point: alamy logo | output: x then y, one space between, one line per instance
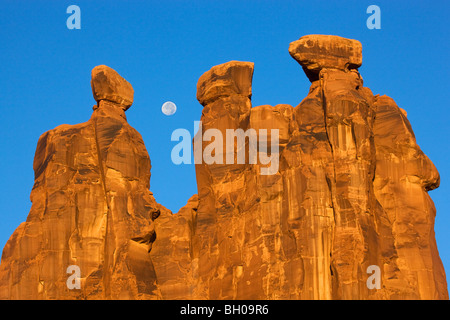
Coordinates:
73 281
235 141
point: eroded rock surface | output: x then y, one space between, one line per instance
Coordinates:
108 85
349 192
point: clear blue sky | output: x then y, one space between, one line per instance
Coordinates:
162 48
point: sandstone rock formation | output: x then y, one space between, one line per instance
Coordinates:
348 192
91 207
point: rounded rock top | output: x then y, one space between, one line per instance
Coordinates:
108 85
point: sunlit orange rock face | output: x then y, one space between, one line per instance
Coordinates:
91 207
349 192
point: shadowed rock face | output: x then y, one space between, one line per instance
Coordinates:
350 192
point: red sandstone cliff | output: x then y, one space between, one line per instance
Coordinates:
349 192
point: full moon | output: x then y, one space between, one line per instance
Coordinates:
169 108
